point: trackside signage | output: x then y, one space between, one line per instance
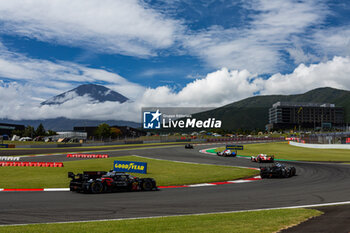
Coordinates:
130 166
234 147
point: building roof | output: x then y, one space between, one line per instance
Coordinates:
302 104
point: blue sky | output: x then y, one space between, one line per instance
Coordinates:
162 52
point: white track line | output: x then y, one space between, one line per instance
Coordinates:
55 189
200 185
184 215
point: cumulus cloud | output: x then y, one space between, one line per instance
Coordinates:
110 26
30 81
334 73
217 88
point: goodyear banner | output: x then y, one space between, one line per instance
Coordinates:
4 146
234 147
130 166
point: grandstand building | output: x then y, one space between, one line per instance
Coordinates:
6 129
288 115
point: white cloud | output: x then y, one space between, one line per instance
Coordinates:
110 26
333 41
334 73
20 99
217 88
155 72
257 46
46 78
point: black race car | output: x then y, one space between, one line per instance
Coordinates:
101 181
189 146
277 171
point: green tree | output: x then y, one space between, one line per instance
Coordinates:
51 133
103 130
18 132
28 131
115 132
40 131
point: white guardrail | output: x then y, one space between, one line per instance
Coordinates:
320 146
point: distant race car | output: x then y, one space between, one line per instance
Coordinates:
277 171
226 153
263 158
101 182
189 146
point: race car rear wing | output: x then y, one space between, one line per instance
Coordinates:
87 174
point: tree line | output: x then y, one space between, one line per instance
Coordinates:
30 131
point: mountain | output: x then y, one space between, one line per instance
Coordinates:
98 93
252 112
64 124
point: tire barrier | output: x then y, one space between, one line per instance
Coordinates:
9 158
99 156
31 164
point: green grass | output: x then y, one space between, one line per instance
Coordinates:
103 146
282 150
165 173
254 221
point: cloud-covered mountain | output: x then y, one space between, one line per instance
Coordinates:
97 93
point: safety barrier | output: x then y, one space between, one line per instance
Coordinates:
320 146
87 156
31 164
9 158
239 139
7 146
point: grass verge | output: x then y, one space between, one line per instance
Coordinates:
165 173
97 147
282 150
254 221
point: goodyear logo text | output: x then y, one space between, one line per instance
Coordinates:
130 166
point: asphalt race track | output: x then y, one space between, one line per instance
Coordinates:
315 183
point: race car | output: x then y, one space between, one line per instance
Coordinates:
226 153
263 158
102 181
277 171
188 146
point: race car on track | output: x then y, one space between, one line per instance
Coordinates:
277 171
101 181
263 158
226 153
188 146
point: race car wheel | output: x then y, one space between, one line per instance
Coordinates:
292 171
97 187
147 185
259 160
286 174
